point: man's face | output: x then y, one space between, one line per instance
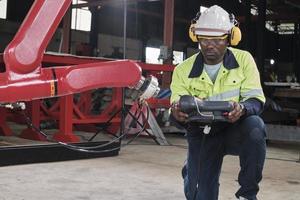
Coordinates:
213 48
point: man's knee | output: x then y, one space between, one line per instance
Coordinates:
254 128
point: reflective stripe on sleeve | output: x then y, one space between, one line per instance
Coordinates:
225 95
252 93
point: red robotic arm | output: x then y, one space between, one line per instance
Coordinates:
25 52
25 79
59 81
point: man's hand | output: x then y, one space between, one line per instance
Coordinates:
177 114
236 113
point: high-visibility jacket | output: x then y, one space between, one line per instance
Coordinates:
237 80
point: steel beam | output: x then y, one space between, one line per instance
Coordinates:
66 35
260 52
168 38
246 33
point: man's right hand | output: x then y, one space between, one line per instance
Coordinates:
177 114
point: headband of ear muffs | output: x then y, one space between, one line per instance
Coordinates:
235 35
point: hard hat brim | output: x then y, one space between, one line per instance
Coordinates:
210 32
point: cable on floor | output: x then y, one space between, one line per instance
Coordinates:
92 148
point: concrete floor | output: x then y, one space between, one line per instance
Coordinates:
142 171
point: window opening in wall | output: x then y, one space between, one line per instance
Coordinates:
177 57
152 55
3 9
81 17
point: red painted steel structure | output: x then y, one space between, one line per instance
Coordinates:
79 112
23 58
25 80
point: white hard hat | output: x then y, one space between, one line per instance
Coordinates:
214 21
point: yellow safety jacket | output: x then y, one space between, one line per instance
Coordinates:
237 80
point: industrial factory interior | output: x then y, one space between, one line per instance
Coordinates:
120 99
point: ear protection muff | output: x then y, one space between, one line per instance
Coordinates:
235 33
192 35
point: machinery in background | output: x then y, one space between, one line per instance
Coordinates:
25 79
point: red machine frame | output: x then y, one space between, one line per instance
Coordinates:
25 79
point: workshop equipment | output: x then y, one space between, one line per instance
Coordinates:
24 79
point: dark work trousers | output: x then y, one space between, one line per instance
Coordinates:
245 138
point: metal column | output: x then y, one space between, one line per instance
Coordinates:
247 32
168 38
66 35
94 30
297 51
260 52
65 132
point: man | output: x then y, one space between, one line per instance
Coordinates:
222 73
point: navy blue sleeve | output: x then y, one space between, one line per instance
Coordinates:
253 106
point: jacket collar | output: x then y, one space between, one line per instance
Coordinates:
229 62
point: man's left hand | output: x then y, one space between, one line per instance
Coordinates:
236 113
